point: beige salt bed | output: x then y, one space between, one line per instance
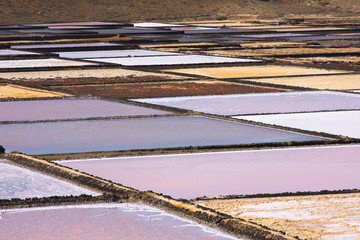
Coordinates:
324 82
97 73
308 217
12 91
170 47
281 51
255 71
311 29
337 59
272 44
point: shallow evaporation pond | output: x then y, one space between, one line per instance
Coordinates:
113 53
136 133
274 35
63 45
17 182
51 31
345 123
68 109
171 60
134 30
41 63
226 173
262 103
75 24
101 221
218 31
156 25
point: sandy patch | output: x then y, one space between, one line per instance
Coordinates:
99 73
255 71
310 217
338 82
9 91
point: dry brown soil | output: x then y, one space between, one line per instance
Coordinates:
35 11
162 89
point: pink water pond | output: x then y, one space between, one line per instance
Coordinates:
226 173
101 221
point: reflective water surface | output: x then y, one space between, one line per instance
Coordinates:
263 103
226 173
113 53
69 108
170 60
135 133
101 221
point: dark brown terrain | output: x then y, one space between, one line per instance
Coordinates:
36 11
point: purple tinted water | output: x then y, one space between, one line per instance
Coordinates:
170 60
226 173
101 221
62 45
135 133
69 108
238 104
113 53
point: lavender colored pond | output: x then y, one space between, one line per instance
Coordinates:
113 53
17 182
62 45
69 108
284 102
135 133
170 60
101 221
240 172
274 35
156 25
